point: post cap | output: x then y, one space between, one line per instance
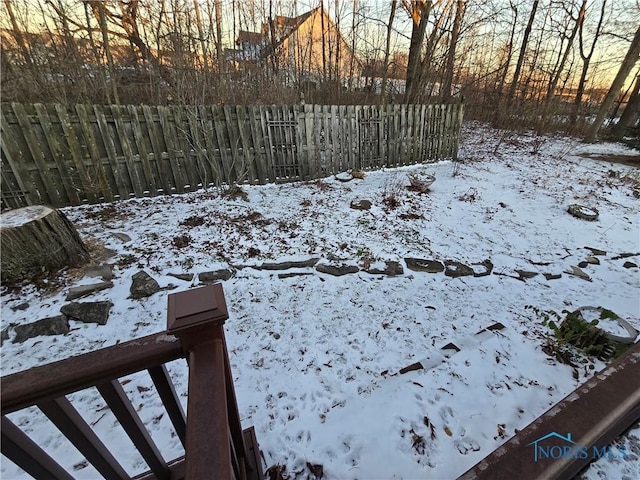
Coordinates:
195 308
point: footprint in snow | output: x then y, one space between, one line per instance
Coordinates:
452 427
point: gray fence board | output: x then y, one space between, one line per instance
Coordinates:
68 155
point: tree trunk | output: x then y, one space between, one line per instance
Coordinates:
420 11
523 51
628 63
448 78
586 60
630 113
38 239
387 48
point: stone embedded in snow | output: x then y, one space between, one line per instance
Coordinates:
525 274
187 277
84 290
596 251
215 275
390 268
482 269
143 285
57 325
88 312
360 204
293 274
420 265
456 269
592 260
287 265
337 270
20 306
123 237
104 271
577 272
552 276
630 265
4 335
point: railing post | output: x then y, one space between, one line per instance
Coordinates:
197 317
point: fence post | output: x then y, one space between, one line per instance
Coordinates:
197 317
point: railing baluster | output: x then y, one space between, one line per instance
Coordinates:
25 453
170 400
64 416
120 405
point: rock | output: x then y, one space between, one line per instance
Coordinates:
486 268
592 261
360 204
411 368
293 274
88 312
596 251
457 269
577 272
552 276
337 270
420 265
392 268
215 275
525 275
83 290
57 325
624 255
630 265
187 277
287 265
4 335
123 237
143 285
20 306
104 271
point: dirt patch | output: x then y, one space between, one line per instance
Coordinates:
630 159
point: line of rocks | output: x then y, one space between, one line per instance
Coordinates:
144 285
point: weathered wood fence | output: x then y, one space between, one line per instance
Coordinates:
63 155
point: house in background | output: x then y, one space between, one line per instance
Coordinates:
307 49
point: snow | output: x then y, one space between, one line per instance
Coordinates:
316 358
20 216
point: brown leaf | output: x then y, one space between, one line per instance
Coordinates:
448 431
316 469
277 472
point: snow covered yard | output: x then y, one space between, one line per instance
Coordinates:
316 357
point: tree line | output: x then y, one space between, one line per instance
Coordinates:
542 63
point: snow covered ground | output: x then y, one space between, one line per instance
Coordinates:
315 357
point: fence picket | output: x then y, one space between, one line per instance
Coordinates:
70 155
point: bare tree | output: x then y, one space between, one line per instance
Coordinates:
451 56
419 11
523 51
628 63
586 60
387 48
630 114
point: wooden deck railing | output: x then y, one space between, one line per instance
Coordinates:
215 445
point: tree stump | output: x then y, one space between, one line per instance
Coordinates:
37 239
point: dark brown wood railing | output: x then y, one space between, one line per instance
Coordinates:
216 446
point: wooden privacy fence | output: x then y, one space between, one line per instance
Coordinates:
63 155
